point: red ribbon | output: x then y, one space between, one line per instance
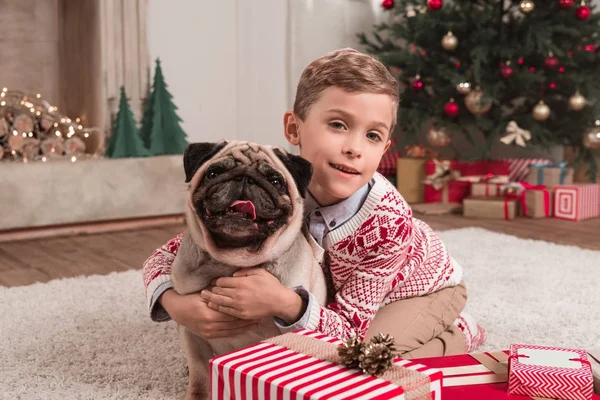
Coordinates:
528 186
581 360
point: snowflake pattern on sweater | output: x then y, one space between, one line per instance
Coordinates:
380 255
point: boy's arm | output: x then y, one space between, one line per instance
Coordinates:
358 300
157 276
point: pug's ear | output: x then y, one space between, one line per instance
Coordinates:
300 169
196 154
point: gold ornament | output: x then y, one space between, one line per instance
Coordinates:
463 87
541 111
526 6
591 138
577 101
438 137
476 104
449 41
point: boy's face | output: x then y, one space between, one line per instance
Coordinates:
344 135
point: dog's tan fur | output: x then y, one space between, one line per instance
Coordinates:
287 254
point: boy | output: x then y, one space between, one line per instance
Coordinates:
387 271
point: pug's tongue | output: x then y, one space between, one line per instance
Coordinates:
244 206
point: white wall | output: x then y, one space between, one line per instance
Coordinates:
232 65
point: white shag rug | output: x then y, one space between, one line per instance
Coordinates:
91 338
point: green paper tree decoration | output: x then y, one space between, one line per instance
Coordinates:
125 140
161 131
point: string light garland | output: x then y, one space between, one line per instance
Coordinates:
31 129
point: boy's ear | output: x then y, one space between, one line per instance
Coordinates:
300 169
291 127
387 145
196 154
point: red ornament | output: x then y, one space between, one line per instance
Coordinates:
561 69
417 84
387 4
457 64
590 47
583 12
506 71
521 61
564 4
570 53
532 69
551 62
435 5
552 85
451 109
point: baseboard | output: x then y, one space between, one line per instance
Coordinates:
90 228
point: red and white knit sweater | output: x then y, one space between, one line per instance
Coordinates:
380 255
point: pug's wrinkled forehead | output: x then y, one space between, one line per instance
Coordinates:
200 157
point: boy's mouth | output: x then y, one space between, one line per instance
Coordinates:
345 168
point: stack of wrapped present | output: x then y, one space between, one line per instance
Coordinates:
499 189
309 365
547 190
523 371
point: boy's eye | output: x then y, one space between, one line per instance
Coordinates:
373 136
336 125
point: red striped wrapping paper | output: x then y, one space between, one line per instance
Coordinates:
577 202
267 371
552 372
519 167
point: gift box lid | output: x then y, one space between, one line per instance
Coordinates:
550 371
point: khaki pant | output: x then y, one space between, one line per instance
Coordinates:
423 326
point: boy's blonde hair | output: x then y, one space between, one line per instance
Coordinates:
349 70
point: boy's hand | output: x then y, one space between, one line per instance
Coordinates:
253 293
193 312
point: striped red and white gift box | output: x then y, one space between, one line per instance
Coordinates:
267 371
519 167
577 202
553 372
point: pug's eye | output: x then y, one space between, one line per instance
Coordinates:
275 181
212 173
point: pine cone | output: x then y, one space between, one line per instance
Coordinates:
350 350
375 359
386 340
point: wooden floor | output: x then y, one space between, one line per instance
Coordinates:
40 260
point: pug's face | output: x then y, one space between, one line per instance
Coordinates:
242 198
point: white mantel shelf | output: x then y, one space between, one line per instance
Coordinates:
56 193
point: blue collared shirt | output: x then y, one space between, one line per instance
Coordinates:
321 220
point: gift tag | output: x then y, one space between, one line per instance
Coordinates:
550 358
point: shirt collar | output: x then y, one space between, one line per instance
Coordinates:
337 214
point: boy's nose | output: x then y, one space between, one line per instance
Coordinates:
352 148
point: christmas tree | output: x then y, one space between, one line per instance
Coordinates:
160 129
125 140
523 72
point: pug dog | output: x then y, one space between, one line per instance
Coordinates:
244 209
